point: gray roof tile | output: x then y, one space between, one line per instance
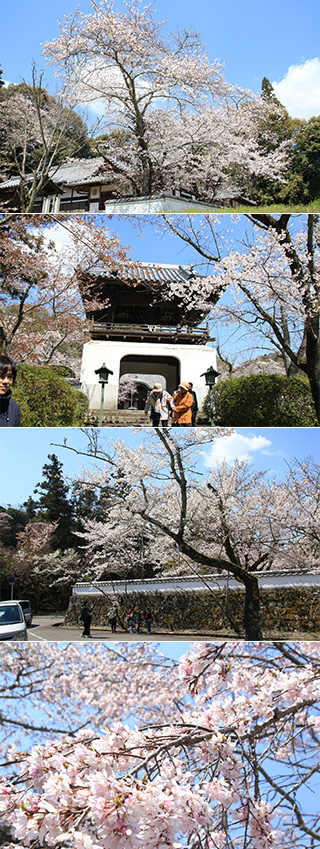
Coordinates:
146 272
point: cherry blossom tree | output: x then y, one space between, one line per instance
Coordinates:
165 106
235 522
270 283
35 536
214 154
34 136
30 681
128 385
41 309
218 750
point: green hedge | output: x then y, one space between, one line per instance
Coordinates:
268 400
46 399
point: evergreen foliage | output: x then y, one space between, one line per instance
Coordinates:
53 504
262 400
307 157
17 521
46 399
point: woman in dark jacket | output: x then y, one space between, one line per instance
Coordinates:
9 409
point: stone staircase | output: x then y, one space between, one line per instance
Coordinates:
120 418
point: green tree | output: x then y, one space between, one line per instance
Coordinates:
275 129
45 398
263 400
30 506
54 505
306 156
17 520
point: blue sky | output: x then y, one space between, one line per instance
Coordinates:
24 451
148 244
252 39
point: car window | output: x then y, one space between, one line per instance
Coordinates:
10 615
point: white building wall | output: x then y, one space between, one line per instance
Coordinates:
193 360
161 203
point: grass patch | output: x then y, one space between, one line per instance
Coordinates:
311 207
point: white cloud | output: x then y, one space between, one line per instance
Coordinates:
96 86
235 447
60 236
299 91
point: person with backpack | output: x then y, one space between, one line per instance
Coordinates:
113 618
159 404
138 619
130 619
86 617
147 619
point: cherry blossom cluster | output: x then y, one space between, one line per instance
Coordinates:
271 284
181 122
42 279
212 767
233 513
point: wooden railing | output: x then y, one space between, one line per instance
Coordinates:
150 331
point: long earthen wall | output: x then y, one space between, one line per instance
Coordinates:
283 611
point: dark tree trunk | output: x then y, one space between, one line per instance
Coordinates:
313 361
251 619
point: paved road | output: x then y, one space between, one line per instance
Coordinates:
52 628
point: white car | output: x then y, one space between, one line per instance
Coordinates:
13 625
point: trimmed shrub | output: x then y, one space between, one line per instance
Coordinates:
47 400
268 400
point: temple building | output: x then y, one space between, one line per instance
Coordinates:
142 334
78 185
89 185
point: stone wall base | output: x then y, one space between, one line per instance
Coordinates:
285 609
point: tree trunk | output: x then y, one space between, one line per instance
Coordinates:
251 619
145 160
313 361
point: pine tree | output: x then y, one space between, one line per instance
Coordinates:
53 504
30 506
268 93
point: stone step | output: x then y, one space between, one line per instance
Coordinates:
130 418
119 418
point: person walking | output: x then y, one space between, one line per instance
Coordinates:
113 619
159 404
10 415
138 619
86 617
147 619
182 404
194 408
130 620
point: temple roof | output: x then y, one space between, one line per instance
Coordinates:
71 173
144 272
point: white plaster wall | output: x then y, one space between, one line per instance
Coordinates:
157 204
194 360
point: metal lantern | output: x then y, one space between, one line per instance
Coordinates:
210 377
103 373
